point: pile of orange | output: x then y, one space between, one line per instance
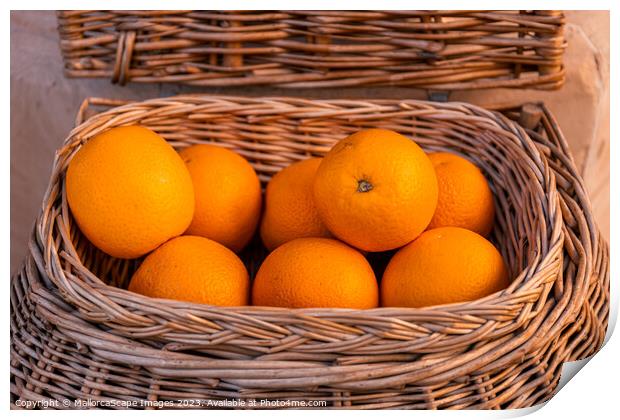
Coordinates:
191 212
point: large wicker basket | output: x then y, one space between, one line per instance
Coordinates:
444 50
77 334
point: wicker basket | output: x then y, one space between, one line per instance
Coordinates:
444 50
77 335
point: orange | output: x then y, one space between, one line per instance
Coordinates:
228 195
193 269
443 265
290 212
129 191
315 273
465 199
376 190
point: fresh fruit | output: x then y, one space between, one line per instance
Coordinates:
313 273
465 199
443 265
129 191
228 195
290 212
376 190
193 269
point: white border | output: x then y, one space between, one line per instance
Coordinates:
593 393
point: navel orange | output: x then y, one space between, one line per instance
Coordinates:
443 265
313 273
290 212
376 190
129 191
193 269
465 199
228 195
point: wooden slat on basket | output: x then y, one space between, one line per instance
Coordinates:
445 50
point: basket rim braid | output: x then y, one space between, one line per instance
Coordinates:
440 329
61 336
446 50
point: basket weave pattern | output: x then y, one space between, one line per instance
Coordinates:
75 334
444 50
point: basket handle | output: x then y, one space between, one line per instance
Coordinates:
86 107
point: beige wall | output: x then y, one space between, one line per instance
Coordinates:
44 103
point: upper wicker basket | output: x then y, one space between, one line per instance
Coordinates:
442 50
